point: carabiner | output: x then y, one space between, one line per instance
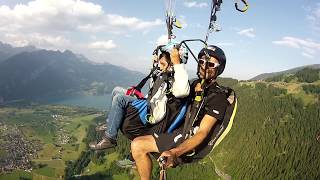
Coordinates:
245 8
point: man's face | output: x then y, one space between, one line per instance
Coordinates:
163 64
211 68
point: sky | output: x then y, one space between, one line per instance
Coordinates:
271 36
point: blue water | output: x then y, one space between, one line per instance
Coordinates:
97 102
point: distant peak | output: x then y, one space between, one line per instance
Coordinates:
68 52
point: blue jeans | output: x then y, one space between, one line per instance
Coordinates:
119 104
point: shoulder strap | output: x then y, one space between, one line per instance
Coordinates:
144 80
192 115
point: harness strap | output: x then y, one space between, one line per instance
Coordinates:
136 90
194 112
163 174
144 80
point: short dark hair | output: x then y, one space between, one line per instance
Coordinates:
166 55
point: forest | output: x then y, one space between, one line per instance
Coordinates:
274 136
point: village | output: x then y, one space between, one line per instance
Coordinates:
17 151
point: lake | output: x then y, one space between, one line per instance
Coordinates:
98 102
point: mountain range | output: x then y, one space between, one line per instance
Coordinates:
29 73
289 71
6 50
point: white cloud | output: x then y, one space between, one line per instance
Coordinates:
67 24
48 15
39 40
310 56
131 22
308 47
314 17
58 16
298 43
247 32
118 24
102 45
195 4
91 28
287 42
309 50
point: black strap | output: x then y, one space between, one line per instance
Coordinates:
242 10
144 80
169 94
195 107
192 115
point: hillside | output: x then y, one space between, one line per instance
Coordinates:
305 75
290 71
47 73
274 136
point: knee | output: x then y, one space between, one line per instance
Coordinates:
118 90
137 147
118 98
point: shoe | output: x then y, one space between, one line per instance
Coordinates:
126 163
101 127
105 143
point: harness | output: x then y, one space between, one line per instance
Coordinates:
220 130
167 78
136 90
144 105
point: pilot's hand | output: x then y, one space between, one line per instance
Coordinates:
168 158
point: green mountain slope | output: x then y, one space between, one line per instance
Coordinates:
274 136
289 71
305 75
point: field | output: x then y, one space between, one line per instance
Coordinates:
59 131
